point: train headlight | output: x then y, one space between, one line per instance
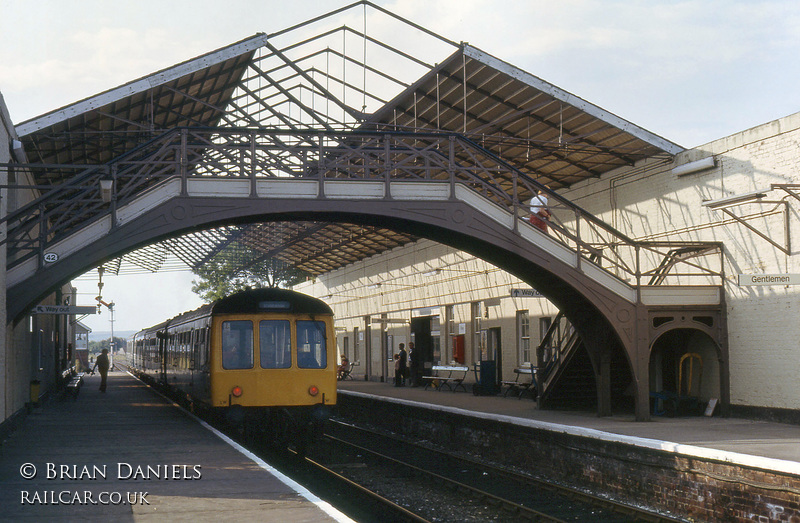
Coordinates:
236 391
313 390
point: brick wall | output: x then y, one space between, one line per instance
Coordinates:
691 487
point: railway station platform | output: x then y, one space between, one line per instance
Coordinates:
130 455
765 445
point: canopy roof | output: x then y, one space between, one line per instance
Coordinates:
323 75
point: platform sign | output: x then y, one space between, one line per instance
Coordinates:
63 309
769 279
526 293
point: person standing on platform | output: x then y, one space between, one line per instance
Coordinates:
102 364
413 365
403 364
398 375
540 214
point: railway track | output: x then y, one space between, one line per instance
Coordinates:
374 476
440 486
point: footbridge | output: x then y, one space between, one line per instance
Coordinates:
619 293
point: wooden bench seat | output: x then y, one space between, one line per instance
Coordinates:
73 382
348 373
450 376
524 381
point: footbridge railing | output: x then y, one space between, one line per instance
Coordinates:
82 194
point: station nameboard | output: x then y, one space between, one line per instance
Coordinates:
526 293
63 309
769 279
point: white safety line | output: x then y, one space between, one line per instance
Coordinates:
735 458
286 480
297 487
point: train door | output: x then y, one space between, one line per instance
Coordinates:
162 356
423 344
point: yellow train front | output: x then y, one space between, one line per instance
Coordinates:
265 359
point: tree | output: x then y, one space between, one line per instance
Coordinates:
98 346
232 270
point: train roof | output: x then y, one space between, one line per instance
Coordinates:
264 300
271 299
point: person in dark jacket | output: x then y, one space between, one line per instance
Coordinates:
102 364
414 365
403 364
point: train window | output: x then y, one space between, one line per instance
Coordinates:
275 342
237 344
311 350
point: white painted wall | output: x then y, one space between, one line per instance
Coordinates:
425 275
649 202
646 201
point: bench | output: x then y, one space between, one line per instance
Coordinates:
520 385
450 376
72 382
347 374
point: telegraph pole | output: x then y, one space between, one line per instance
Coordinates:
110 307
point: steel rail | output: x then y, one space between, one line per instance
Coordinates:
638 514
527 512
400 513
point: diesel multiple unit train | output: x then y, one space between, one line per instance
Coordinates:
262 359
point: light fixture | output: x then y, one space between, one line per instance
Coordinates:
432 273
373 285
106 186
734 200
19 150
695 166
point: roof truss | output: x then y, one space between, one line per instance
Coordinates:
331 73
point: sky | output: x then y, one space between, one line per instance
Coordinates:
689 71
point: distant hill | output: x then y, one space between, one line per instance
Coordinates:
104 335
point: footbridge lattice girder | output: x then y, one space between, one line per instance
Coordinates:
330 165
465 198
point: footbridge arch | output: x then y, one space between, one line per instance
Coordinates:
440 186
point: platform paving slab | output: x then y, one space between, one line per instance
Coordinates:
130 455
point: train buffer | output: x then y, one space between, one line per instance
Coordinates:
450 376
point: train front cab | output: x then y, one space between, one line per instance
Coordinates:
281 361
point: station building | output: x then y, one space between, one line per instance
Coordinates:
739 193
742 190
33 351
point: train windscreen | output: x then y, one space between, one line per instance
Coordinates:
311 347
237 344
275 344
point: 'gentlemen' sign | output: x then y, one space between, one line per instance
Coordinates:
769 279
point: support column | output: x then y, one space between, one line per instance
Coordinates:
604 384
640 360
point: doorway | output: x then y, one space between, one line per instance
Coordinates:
423 345
495 350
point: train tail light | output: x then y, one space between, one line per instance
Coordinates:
313 390
236 392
